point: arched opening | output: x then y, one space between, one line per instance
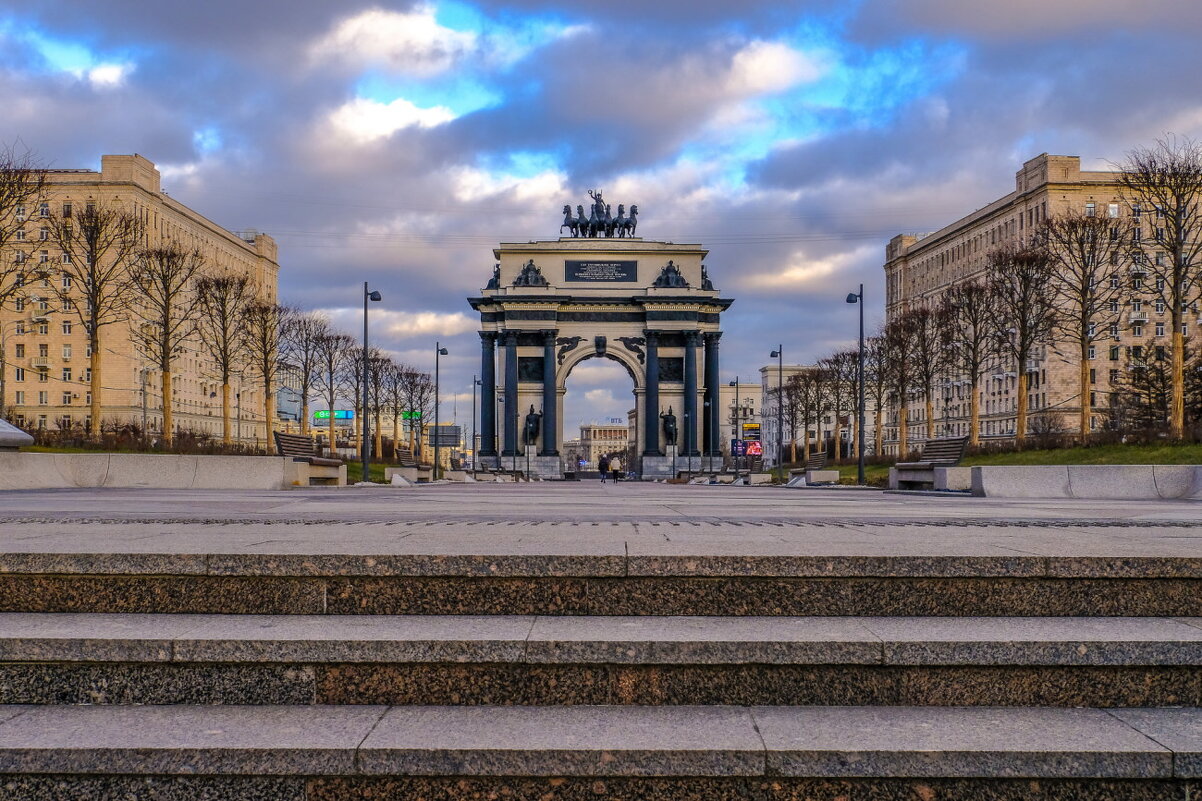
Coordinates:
598 403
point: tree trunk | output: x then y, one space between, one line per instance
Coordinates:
379 446
97 386
930 417
226 435
805 451
333 434
1177 409
1086 407
793 445
168 411
838 442
305 415
359 428
903 432
878 424
974 417
268 415
1020 424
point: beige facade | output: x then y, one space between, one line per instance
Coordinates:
599 439
919 268
45 346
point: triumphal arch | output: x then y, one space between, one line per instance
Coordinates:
599 291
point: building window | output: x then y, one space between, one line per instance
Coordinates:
19 304
1112 211
66 399
66 283
43 234
1137 330
41 422
66 258
1114 330
43 377
43 398
1137 352
43 328
1093 352
1136 210
20 397
20 350
1160 329
67 326
19 374
1093 376
1160 352
1184 329
1114 281
20 237
43 350
44 209
67 351
44 257
66 211
1137 305
1160 306
1114 376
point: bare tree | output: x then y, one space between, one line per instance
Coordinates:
262 345
791 401
352 384
378 366
419 402
876 384
813 389
930 359
1089 255
1164 182
100 245
1020 280
898 341
841 370
967 317
333 352
221 318
166 308
22 181
300 345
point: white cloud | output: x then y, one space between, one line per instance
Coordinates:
409 42
107 76
765 67
600 397
408 324
368 120
803 270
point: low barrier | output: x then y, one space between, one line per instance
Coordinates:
1090 481
159 471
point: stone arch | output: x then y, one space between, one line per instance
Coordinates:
635 370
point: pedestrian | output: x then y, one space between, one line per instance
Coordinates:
603 466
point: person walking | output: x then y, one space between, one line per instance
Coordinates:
603 466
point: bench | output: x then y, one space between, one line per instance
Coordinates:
816 472
936 468
308 468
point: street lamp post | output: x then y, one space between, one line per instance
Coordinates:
779 355
475 383
365 427
858 298
736 416
438 351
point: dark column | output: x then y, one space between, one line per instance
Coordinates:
713 394
550 405
690 393
651 421
488 394
510 407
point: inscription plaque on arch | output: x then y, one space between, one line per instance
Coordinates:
616 271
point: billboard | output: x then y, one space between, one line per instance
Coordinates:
339 414
445 436
751 432
755 449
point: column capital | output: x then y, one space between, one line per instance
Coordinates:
488 337
712 336
510 337
652 336
549 335
692 338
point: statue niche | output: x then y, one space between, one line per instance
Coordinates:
534 421
530 276
669 421
670 277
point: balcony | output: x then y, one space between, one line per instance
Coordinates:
40 362
39 317
1137 317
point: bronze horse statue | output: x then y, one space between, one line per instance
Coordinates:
631 223
569 222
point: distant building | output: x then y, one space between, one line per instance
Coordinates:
600 439
46 380
742 420
919 268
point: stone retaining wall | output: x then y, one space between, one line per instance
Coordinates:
1106 482
160 471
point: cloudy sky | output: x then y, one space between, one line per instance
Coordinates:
397 142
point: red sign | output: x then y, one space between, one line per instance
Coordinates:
755 449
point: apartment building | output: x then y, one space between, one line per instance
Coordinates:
45 346
919 268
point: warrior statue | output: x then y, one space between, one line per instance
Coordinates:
533 424
669 427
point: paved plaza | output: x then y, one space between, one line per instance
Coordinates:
567 640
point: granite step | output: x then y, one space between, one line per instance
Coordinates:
309 753
694 580
543 660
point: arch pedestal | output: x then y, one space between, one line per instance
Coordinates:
554 304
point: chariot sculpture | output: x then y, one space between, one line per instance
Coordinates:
600 221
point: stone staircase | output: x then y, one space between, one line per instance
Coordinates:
268 662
